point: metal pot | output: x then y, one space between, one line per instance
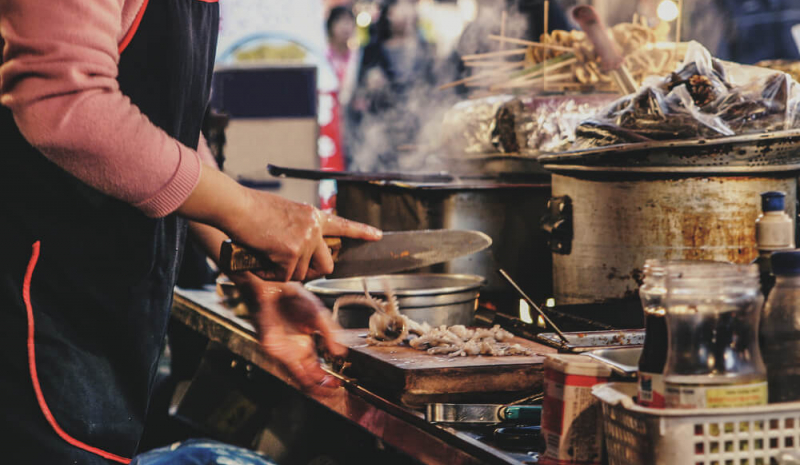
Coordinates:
436 299
605 222
508 213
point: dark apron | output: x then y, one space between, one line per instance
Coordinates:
99 293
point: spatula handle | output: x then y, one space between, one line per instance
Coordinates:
234 258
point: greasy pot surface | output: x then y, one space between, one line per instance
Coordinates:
618 224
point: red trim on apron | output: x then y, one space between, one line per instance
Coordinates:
26 296
208 1
134 27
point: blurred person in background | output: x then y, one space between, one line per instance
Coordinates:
525 21
341 25
395 74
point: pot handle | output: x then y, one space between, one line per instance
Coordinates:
557 224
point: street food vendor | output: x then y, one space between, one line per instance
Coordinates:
103 174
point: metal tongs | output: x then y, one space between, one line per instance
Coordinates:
534 306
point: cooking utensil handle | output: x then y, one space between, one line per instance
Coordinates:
533 304
318 175
235 257
529 414
297 173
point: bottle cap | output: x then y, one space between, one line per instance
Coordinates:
785 262
772 201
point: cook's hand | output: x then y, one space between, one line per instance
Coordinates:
286 316
289 234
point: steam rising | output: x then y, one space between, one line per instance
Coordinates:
408 136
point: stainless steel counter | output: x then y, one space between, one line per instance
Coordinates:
404 429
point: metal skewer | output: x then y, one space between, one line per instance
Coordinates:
532 304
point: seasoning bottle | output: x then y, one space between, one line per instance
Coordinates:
780 329
654 353
713 360
774 231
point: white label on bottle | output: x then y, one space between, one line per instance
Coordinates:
651 390
735 395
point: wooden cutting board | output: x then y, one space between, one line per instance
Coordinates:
415 377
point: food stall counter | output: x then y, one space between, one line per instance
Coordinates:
397 426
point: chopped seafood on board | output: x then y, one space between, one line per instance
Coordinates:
387 327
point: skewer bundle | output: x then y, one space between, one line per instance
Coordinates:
566 60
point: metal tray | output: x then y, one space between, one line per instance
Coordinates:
763 152
622 360
580 342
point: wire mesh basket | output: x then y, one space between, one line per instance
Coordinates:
637 435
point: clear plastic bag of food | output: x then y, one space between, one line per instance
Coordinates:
486 125
510 124
704 98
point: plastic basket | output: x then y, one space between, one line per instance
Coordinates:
637 435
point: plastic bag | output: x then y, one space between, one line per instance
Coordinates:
486 125
509 124
704 98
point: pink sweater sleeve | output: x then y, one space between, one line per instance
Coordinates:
58 76
205 153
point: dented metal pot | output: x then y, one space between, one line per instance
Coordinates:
605 222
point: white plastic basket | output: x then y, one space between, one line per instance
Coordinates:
637 435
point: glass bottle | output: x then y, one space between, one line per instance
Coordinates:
780 329
654 353
713 313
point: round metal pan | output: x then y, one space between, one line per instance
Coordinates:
436 299
412 290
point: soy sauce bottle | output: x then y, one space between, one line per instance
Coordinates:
780 329
654 352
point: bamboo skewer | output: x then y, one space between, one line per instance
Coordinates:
476 77
502 53
528 81
551 63
503 19
530 43
563 60
553 80
486 64
556 66
544 63
537 71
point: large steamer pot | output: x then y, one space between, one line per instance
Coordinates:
436 299
607 222
508 213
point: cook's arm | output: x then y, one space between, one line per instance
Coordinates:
59 78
